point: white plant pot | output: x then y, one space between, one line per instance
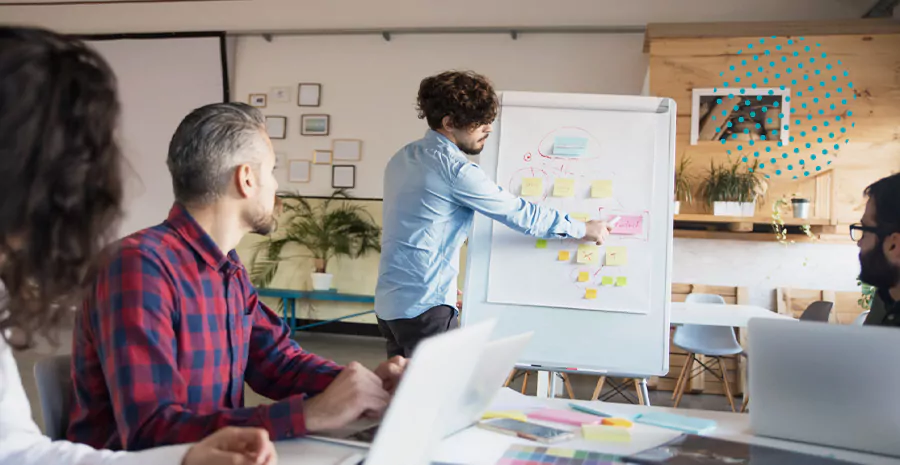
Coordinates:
748 208
322 281
677 208
726 209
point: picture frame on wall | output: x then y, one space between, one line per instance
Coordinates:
322 157
299 171
309 94
347 149
258 100
343 176
714 118
280 94
314 125
276 127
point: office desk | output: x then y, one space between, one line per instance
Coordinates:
475 446
289 303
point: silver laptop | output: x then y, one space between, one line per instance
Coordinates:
437 374
820 383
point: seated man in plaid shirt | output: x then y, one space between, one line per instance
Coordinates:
173 328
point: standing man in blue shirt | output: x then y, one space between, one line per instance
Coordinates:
431 194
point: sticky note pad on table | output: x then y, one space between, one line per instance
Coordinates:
583 277
564 255
601 189
616 256
588 254
532 187
511 414
541 243
583 217
566 417
590 294
617 422
564 187
603 433
621 281
607 281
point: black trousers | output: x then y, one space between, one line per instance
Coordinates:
404 335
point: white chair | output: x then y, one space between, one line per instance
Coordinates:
54 383
711 341
861 318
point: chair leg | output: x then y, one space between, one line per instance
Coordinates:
599 388
568 384
745 404
638 390
512 374
524 382
689 367
726 383
681 376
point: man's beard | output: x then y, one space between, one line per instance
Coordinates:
260 222
875 270
473 149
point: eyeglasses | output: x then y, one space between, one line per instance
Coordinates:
857 230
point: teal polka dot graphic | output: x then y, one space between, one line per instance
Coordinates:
803 81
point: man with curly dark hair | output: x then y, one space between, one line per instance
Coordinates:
431 194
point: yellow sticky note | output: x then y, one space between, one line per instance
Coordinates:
564 453
602 433
620 422
583 217
601 189
616 256
564 187
541 243
564 256
588 254
607 281
590 294
621 281
511 414
583 277
532 187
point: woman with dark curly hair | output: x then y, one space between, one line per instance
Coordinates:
431 194
59 201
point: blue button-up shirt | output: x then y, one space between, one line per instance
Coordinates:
431 194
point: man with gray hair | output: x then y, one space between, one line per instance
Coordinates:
173 328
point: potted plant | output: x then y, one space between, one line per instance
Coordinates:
732 190
800 207
684 185
330 229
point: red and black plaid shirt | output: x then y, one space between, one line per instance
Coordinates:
168 336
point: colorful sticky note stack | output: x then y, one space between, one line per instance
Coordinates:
541 243
511 414
602 189
607 281
616 256
532 187
590 294
618 422
602 433
588 254
621 281
564 255
583 277
564 187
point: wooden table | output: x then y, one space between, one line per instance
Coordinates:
736 316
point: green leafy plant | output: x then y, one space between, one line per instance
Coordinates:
334 227
779 209
684 183
731 183
868 293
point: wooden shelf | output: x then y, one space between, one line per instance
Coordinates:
702 218
761 237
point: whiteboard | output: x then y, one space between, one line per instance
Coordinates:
615 157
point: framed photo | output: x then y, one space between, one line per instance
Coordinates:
714 118
322 157
280 94
309 95
258 100
314 125
276 127
347 149
343 176
299 171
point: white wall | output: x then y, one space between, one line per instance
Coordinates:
369 86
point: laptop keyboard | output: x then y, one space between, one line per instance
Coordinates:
366 435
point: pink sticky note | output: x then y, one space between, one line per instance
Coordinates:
566 417
629 226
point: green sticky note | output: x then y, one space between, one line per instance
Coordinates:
607 281
542 243
621 281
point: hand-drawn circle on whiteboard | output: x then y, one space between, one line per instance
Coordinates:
591 149
590 270
515 181
527 156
